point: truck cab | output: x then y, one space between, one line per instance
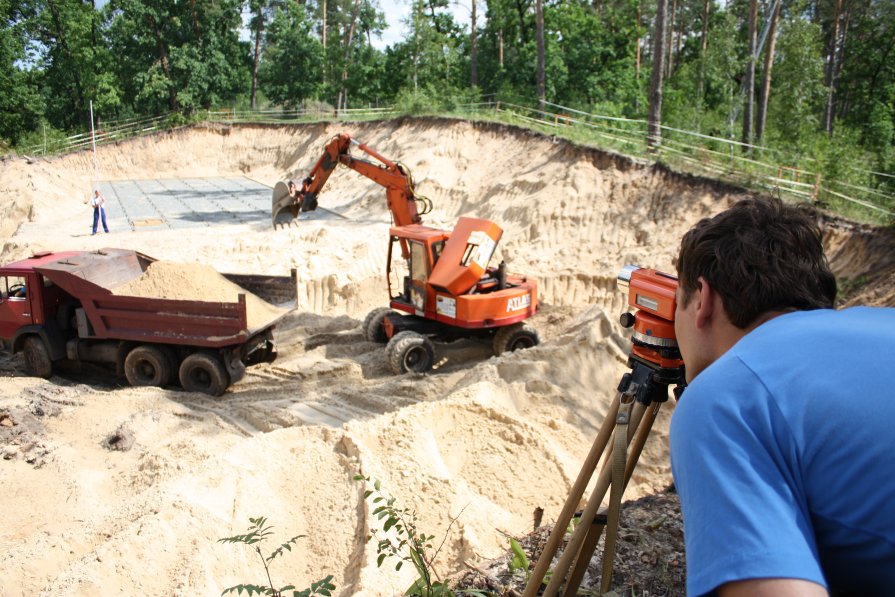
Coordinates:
30 303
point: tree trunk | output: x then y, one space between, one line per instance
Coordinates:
195 15
539 24
349 37
473 51
500 48
654 133
766 76
749 95
842 111
669 61
521 9
323 41
831 69
77 96
256 59
637 46
703 46
163 60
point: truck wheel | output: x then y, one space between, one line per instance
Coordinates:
148 366
373 328
515 337
409 351
204 372
37 357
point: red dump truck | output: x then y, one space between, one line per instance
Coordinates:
61 306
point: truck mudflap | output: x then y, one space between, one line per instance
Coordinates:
260 348
233 362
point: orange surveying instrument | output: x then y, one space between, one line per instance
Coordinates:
655 362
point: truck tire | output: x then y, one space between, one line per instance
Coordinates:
204 372
37 357
148 366
410 351
373 328
515 337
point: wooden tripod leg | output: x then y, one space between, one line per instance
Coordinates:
638 441
643 431
587 550
565 516
575 551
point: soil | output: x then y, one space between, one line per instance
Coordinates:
196 282
109 489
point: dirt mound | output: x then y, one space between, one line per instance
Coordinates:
196 282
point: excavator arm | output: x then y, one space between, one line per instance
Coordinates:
293 197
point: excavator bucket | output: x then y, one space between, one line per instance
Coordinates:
283 208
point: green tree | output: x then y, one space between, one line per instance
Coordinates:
179 56
592 54
69 54
292 69
796 108
705 86
21 105
431 62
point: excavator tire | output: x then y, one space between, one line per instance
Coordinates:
515 337
373 325
148 366
204 372
410 351
37 357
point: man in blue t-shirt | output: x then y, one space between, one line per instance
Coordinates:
782 443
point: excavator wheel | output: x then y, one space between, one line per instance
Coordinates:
37 357
410 351
204 372
373 328
515 337
148 366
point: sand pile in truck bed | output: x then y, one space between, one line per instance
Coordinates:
474 447
196 282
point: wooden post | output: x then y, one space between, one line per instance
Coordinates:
816 194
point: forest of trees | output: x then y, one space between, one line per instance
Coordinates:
812 76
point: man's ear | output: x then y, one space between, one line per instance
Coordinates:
705 303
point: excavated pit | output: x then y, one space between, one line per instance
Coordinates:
482 441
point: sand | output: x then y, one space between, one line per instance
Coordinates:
481 441
196 282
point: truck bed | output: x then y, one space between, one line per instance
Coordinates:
90 278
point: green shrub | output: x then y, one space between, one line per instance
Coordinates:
257 533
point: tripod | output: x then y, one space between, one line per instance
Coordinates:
641 393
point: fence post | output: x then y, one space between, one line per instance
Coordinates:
816 193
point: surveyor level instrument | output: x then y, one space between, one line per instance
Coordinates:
655 363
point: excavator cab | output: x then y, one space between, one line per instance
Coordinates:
412 254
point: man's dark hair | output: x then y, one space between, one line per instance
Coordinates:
760 255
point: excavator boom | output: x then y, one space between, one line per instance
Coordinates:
292 197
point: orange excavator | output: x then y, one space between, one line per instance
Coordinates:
440 282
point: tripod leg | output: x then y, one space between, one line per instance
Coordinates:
565 516
622 474
639 441
587 550
574 544
592 537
